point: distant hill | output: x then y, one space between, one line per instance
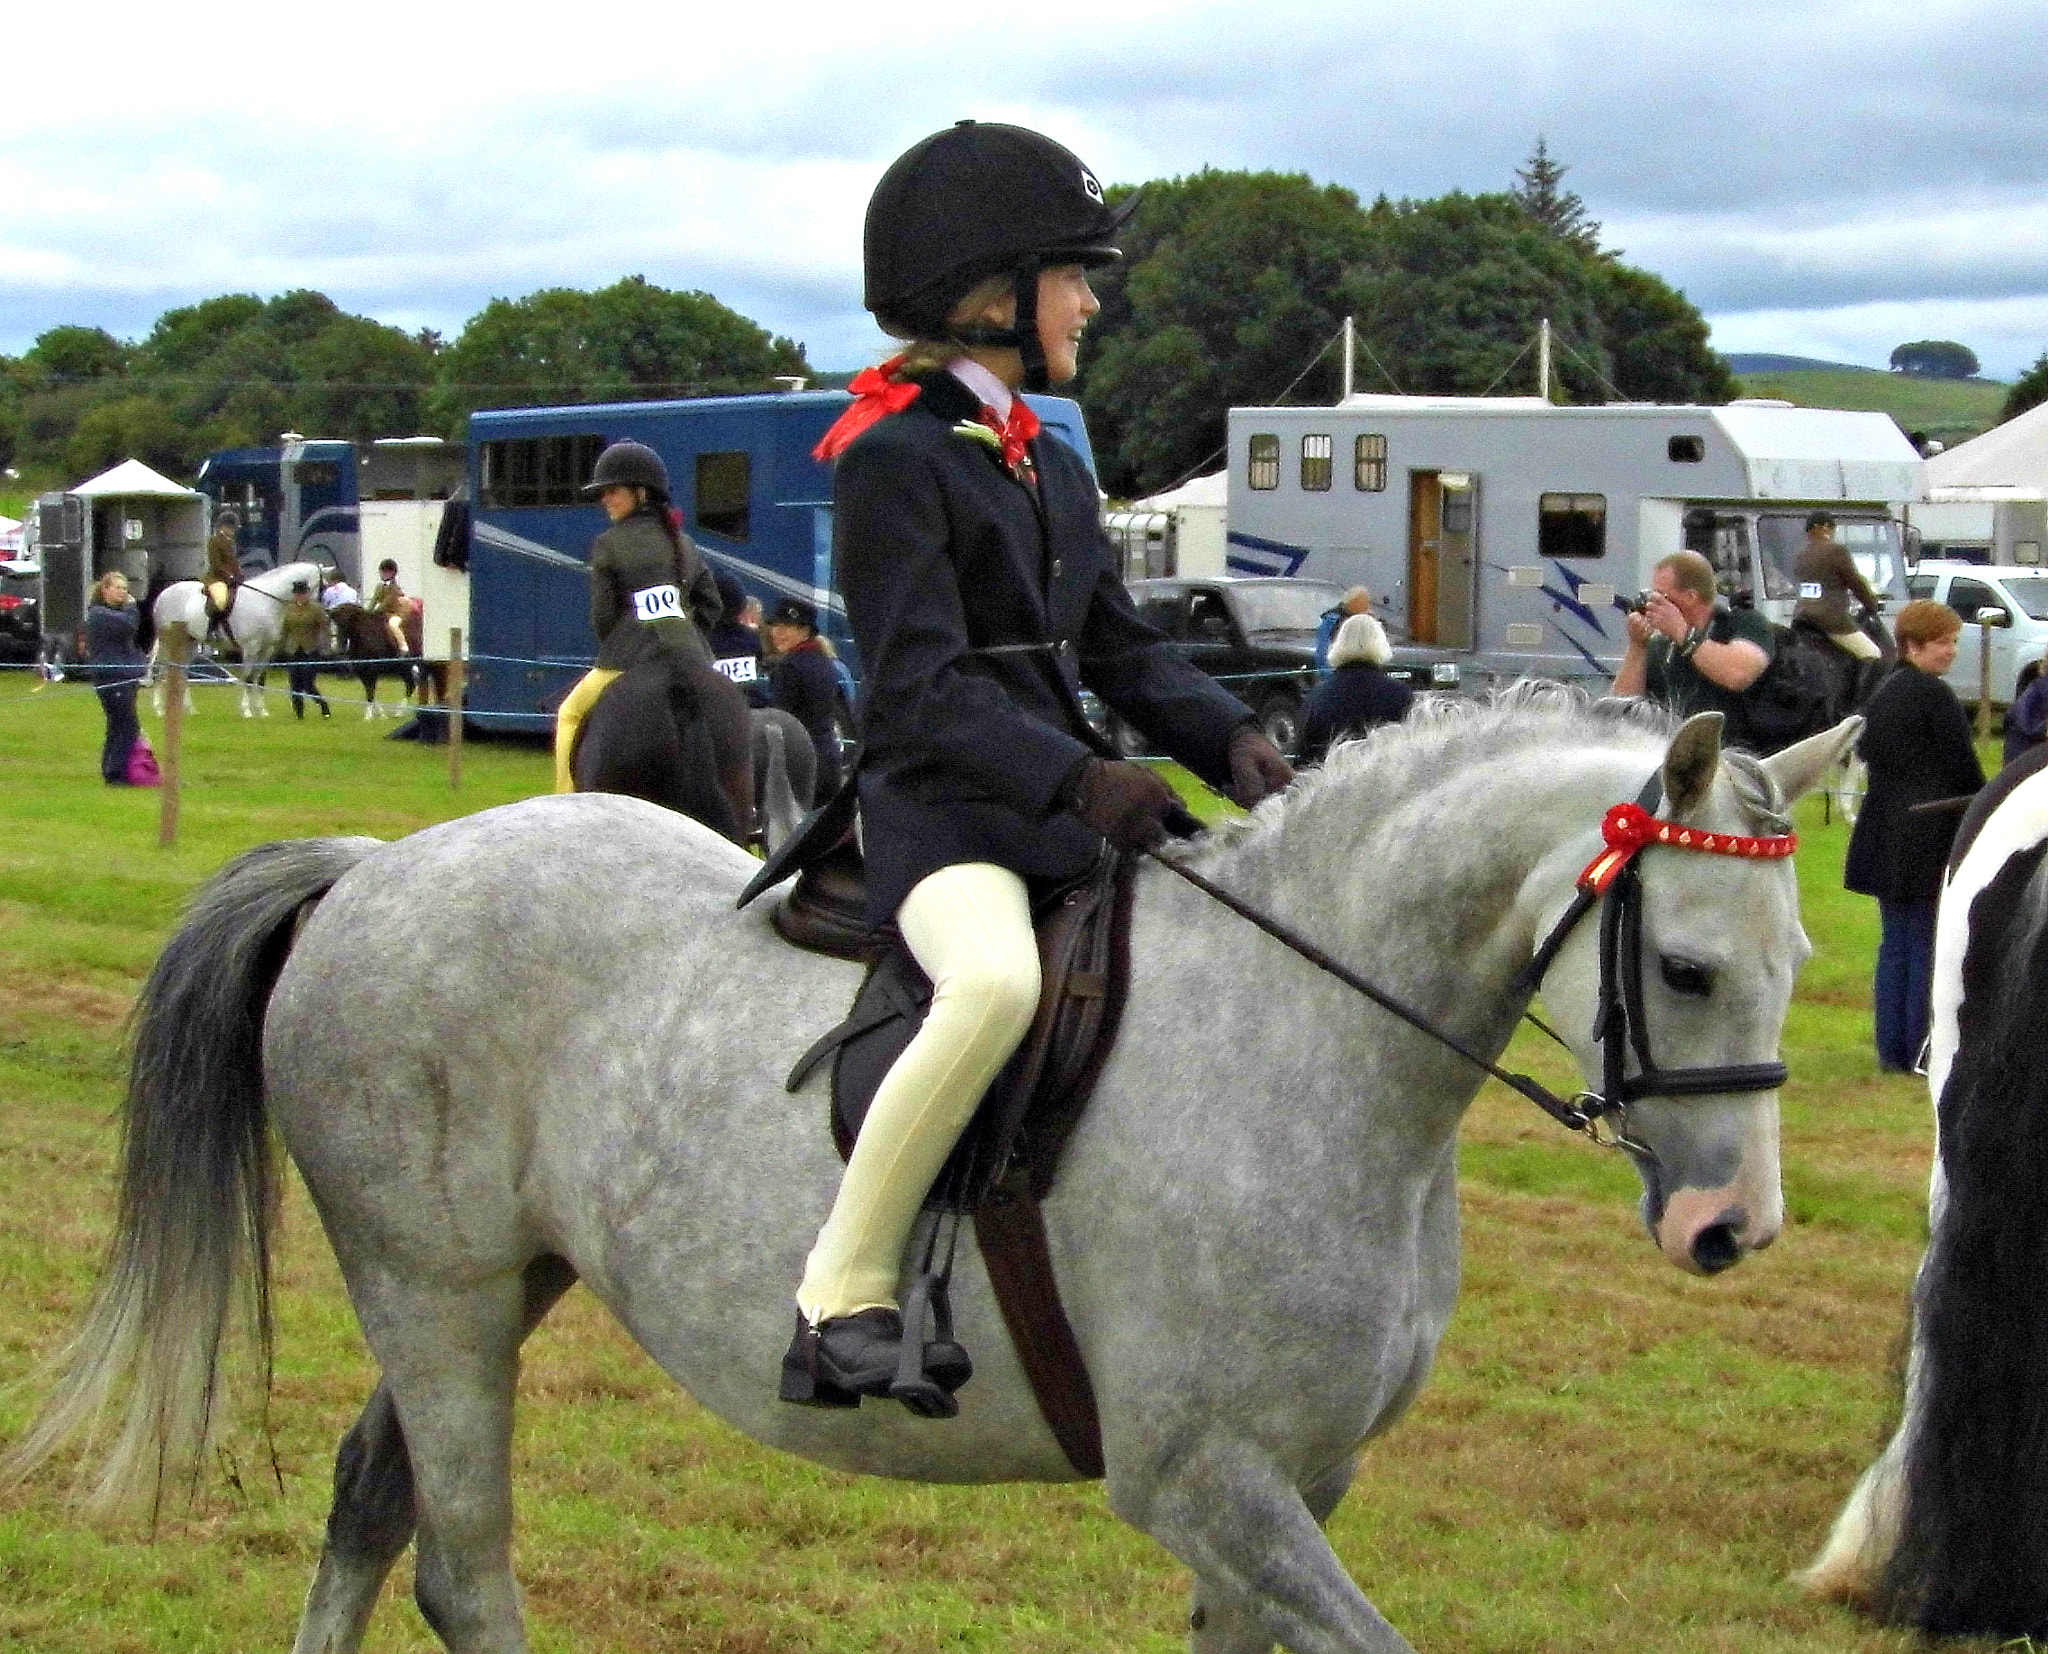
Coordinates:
1949 410
1740 365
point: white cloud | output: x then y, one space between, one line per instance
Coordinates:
1814 159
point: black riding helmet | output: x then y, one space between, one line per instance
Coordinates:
629 465
974 201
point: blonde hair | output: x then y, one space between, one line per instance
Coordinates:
99 586
927 355
1360 638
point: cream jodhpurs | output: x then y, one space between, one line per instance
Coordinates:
1857 644
569 718
969 929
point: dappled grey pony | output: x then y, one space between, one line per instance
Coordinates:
255 621
1255 1224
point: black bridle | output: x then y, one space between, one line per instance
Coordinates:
1619 1022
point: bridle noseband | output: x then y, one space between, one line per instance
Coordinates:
1626 830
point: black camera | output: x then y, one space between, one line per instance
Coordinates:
1641 601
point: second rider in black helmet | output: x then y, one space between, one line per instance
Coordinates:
982 595
651 592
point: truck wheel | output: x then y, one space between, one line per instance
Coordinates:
1280 717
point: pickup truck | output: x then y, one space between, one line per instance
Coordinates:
1256 635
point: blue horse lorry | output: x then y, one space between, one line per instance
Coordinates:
497 547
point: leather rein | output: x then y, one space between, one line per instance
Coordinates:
1619 1025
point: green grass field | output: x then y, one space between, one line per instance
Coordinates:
1612 1456
1950 410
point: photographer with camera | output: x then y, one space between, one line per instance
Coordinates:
1691 652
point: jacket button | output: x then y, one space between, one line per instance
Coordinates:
1058 568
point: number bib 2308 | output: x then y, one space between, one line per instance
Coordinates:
657 603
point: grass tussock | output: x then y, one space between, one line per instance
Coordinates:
1610 1456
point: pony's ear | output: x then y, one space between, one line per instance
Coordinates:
1690 762
1801 765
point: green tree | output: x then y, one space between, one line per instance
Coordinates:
2029 390
132 427
1558 210
632 341
1230 287
1452 293
1935 359
359 379
1656 341
72 355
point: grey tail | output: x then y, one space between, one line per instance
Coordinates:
199 1187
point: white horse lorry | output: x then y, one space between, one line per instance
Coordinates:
1517 532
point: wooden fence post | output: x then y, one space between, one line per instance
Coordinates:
172 765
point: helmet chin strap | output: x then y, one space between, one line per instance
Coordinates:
1022 336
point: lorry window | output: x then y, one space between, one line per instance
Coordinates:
1369 463
1686 450
1263 457
535 471
723 482
1572 525
1316 453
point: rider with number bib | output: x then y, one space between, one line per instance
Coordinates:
651 592
982 596
1827 577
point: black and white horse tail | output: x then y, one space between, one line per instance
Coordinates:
199 1185
1972 1553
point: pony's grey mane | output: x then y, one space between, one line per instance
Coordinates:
1444 732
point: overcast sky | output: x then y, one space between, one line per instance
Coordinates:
1824 180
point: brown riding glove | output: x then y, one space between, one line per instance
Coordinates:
1124 802
1257 769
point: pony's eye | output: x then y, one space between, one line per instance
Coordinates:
1687 976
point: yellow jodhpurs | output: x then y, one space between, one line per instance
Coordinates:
969 929
569 718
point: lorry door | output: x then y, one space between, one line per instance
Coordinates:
1443 516
1456 585
1425 552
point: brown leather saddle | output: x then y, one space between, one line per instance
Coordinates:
1007 1159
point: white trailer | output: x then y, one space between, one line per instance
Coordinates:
1979 524
1516 532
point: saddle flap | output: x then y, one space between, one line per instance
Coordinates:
1029 1110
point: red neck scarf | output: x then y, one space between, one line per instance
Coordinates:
875 395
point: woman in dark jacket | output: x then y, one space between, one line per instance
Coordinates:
1357 695
651 592
117 665
801 681
1917 743
982 596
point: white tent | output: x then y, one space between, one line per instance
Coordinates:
2014 454
10 538
132 478
1210 490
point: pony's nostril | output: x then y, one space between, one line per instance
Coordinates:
1715 1247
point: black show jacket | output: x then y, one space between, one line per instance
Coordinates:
980 607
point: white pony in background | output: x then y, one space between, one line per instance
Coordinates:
255 622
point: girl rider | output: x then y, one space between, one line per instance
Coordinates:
982 595
651 592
